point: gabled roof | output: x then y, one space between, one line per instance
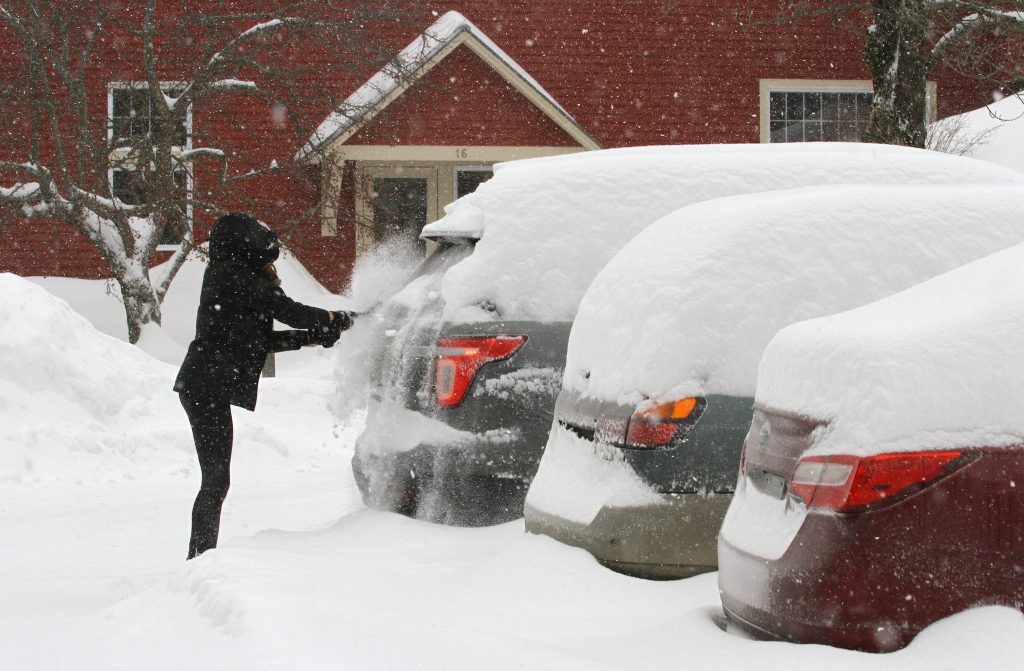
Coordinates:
414 62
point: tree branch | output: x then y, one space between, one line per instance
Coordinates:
972 25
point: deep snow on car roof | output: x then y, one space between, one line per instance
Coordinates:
688 306
547 226
936 366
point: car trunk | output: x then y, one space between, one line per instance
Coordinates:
773 446
702 459
503 417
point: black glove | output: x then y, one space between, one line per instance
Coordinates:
342 320
325 335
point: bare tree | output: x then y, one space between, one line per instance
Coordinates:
120 176
908 39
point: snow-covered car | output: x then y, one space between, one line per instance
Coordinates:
883 469
472 350
657 396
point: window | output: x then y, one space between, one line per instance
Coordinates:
797 110
815 116
814 111
133 121
133 118
468 178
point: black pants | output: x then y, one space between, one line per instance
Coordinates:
213 432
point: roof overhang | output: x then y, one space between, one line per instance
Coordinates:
446 35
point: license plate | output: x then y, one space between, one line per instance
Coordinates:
769 483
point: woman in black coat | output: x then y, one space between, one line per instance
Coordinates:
240 300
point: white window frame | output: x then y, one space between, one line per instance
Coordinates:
769 86
121 154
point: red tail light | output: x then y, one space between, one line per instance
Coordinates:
656 426
459 359
846 484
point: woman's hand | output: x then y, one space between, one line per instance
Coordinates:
341 320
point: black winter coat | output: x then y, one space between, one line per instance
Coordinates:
237 308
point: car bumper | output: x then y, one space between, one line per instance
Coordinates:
409 484
409 463
815 595
675 538
867 582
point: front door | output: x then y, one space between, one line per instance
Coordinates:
400 211
398 201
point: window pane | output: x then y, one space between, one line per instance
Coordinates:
122 106
139 108
181 117
128 187
794 105
812 131
794 132
847 107
848 132
812 105
777 106
830 131
174 228
863 106
777 131
829 106
400 210
466 181
122 128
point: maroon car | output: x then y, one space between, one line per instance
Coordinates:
882 480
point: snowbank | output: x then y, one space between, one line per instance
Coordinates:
79 406
993 133
937 366
688 306
68 392
549 225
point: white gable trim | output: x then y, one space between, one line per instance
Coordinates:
413 63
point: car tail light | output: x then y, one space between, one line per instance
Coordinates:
656 426
459 359
845 483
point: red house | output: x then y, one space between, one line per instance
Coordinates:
480 82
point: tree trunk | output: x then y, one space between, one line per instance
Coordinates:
140 303
896 53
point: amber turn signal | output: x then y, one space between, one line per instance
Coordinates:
675 410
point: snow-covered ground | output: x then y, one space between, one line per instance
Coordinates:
97 475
